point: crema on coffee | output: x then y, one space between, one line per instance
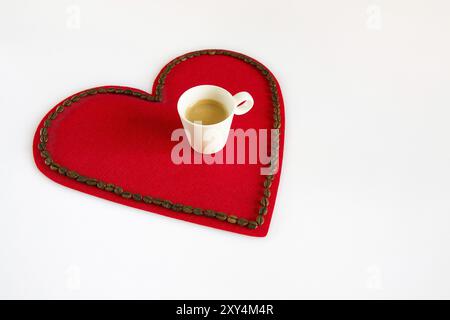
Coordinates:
207 112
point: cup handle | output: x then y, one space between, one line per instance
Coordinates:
247 102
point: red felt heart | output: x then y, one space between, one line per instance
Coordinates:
115 143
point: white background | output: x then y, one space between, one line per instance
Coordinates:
363 208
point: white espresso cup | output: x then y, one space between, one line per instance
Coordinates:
211 138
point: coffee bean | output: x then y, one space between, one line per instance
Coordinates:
274 161
62 170
45 154
82 179
187 209
276 145
41 146
126 195
263 210
83 94
102 90
101 185
267 193
166 204
48 161
72 174
221 216
147 199
260 220
232 219
47 123
92 91
242 222
53 116
43 131
157 201
264 201
55 164
67 103
53 167
110 187
110 90
177 207
75 98
118 190
252 225
60 109
267 183
43 138
91 182
197 211
210 213
137 197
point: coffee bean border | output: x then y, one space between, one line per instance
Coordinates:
177 207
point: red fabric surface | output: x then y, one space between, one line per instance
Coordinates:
126 141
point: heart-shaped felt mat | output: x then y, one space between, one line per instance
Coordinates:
115 143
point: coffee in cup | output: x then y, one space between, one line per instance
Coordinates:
206 112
